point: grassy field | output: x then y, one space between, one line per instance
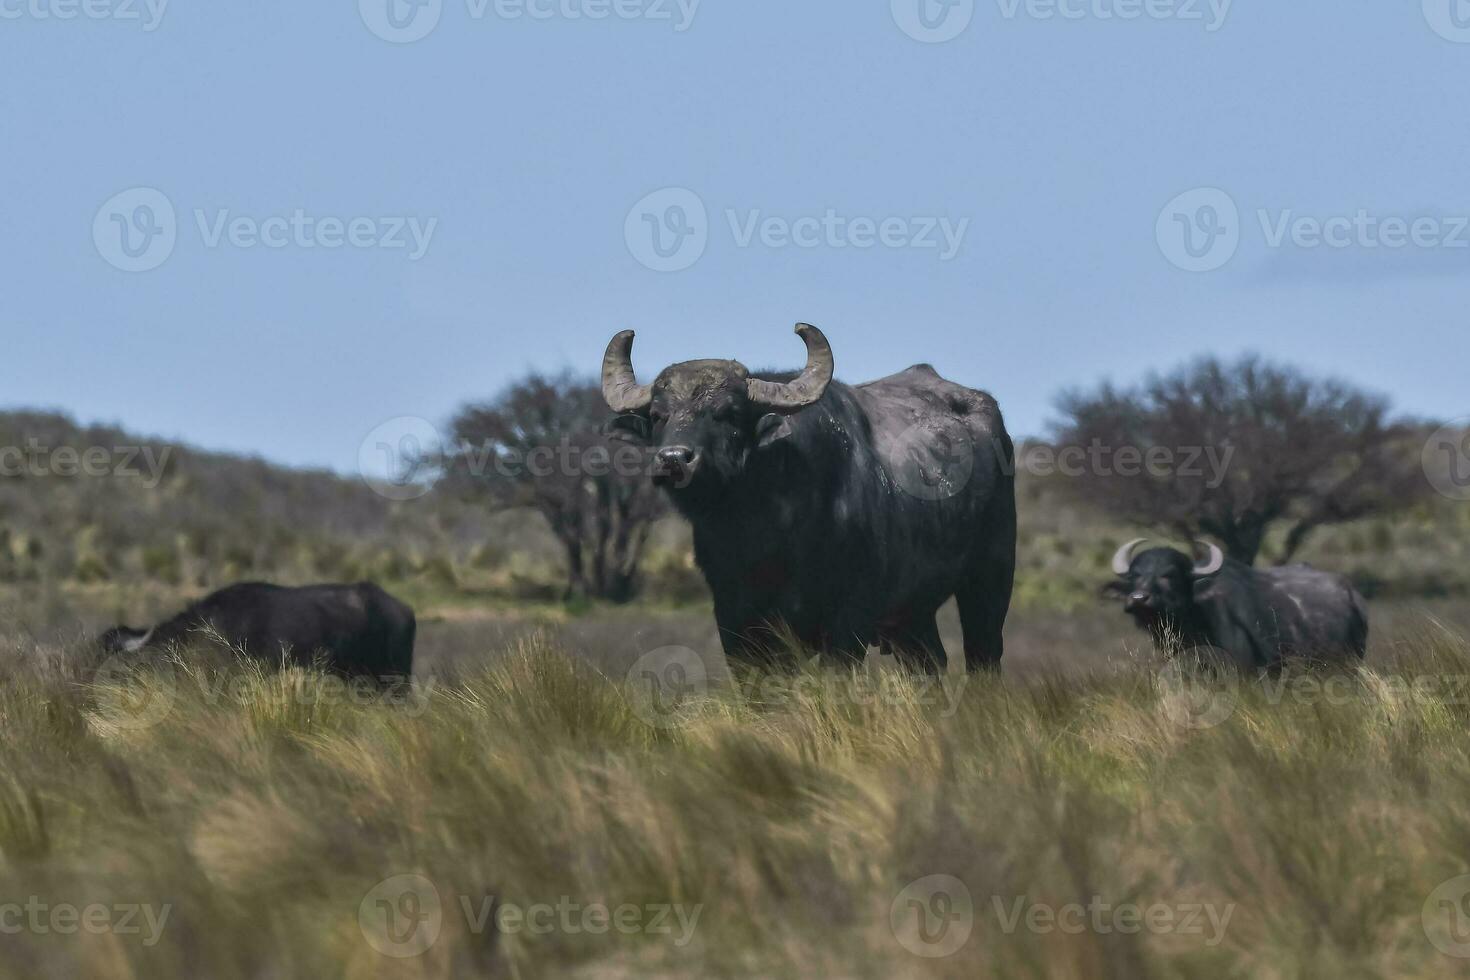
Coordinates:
540 815
585 791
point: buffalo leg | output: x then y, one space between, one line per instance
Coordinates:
745 649
916 645
982 616
839 643
848 653
984 598
984 595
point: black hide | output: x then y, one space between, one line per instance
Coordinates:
355 630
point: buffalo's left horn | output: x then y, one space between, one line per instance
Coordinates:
1215 562
620 387
1123 557
804 390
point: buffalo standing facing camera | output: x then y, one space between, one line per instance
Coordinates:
845 514
1259 618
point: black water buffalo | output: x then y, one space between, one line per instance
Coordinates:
356 630
1258 617
846 515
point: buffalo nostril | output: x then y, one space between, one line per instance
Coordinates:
676 466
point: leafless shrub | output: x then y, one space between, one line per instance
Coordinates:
540 444
1292 450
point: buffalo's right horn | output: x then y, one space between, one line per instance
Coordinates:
804 390
620 387
1213 564
1123 558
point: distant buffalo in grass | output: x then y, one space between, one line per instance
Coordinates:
1259 618
353 630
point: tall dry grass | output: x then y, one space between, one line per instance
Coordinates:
764 825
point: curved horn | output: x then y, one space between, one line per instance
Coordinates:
620 387
1215 563
815 377
1123 557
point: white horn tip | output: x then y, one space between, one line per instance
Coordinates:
1213 563
1123 557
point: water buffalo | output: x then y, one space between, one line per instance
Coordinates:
844 514
357 630
1257 617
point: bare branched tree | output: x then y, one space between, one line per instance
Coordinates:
1248 445
540 444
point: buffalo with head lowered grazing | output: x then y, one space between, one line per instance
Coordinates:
1258 618
844 514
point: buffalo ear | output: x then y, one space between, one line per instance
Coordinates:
627 428
1203 589
1114 589
771 428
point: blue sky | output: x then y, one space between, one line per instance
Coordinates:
531 152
